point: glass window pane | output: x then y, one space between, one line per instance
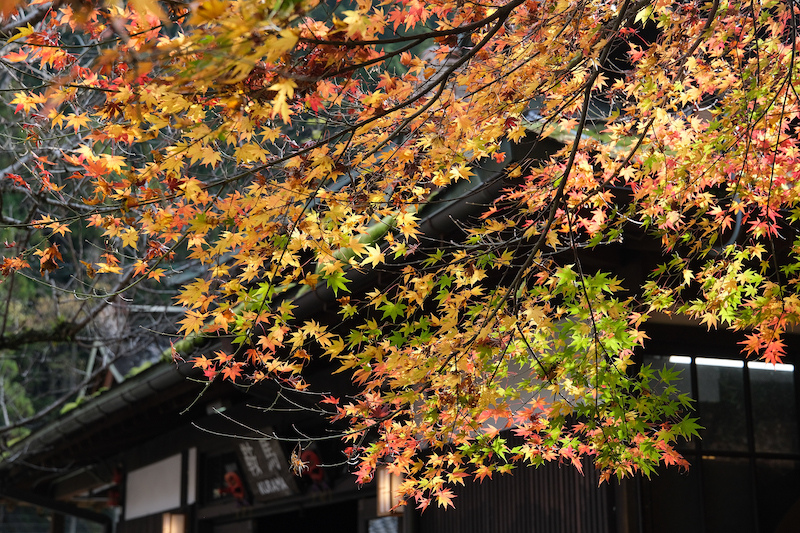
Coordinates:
673 501
728 495
678 362
387 524
778 491
774 410
720 405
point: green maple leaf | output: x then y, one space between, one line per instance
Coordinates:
337 281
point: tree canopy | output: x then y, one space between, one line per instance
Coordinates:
237 155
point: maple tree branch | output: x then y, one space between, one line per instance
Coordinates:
22 245
365 64
61 332
440 79
33 17
502 11
706 27
555 203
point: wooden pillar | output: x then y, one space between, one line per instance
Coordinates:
57 522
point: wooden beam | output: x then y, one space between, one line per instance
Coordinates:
58 507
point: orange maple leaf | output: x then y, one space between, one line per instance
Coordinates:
232 371
193 322
202 362
444 498
223 357
482 472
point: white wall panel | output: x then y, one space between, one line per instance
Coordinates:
154 488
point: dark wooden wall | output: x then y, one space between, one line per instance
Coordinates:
550 499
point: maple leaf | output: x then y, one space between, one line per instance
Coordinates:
201 362
26 102
156 274
130 237
457 477
232 371
140 267
22 31
423 503
337 281
12 264
193 322
407 223
222 357
106 268
774 351
285 91
314 101
16 57
483 471
17 179
149 6
48 258
90 270
752 343
77 121
374 256
444 498
330 400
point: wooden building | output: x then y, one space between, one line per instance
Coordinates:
162 453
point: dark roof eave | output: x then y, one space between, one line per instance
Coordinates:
156 379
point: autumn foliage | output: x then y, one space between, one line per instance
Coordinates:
292 146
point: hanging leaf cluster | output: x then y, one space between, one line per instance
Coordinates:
292 147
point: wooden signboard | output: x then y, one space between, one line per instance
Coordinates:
266 469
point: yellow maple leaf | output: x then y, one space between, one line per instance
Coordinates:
459 172
105 268
280 105
23 32
374 256
77 121
356 23
193 322
208 11
130 237
278 45
407 224
26 102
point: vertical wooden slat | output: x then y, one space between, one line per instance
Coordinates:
550 499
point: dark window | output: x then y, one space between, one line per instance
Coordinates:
721 404
777 490
745 473
671 502
774 413
223 480
727 494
